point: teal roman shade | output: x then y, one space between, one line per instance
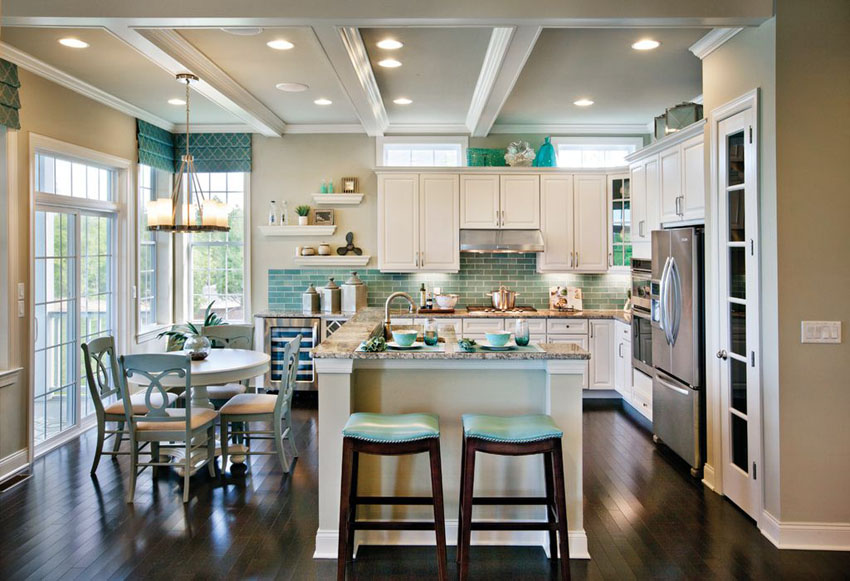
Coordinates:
216 152
156 146
10 101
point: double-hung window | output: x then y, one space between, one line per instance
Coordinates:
153 282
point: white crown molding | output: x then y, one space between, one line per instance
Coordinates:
304 128
521 44
712 41
228 94
214 128
692 130
573 128
426 129
51 73
813 536
500 40
345 50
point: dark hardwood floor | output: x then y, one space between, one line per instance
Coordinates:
645 518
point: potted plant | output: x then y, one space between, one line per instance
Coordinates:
190 337
303 214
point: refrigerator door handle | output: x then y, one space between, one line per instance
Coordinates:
664 299
676 280
669 385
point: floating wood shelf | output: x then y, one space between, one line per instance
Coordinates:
334 260
295 230
337 199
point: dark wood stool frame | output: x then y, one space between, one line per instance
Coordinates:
349 499
555 499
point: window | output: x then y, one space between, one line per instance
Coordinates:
595 152
217 269
421 151
66 176
153 284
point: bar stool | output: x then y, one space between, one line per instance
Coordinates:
389 435
514 436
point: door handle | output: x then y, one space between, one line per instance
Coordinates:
678 390
576 259
722 355
676 278
662 314
571 260
497 218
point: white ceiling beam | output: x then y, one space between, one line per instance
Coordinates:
426 129
712 41
500 77
51 73
573 128
500 40
347 54
215 85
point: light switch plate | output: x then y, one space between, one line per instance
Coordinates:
821 332
21 309
21 289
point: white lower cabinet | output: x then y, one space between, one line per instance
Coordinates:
641 393
623 359
477 328
601 354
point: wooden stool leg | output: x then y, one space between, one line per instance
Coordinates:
561 504
352 503
551 505
439 510
466 500
344 506
460 499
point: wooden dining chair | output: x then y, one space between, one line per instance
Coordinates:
229 337
276 409
163 427
105 381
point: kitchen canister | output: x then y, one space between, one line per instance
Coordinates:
354 294
331 297
310 300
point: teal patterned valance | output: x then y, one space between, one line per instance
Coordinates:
216 152
10 101
156 146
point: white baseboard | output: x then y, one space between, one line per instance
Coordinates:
327 540
12 463
708 477
812 536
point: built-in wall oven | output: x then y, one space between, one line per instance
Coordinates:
274 333
642 315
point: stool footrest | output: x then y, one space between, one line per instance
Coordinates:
368 525
411 500
514 526
510 500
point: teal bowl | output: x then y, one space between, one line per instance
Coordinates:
498 339
404 338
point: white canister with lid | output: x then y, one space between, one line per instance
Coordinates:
354 294
331 297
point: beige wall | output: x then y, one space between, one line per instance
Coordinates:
744 63
813 141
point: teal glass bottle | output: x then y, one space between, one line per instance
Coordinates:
546 156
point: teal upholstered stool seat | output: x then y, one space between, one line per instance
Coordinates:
511 429
391 428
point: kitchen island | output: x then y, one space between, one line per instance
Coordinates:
449 383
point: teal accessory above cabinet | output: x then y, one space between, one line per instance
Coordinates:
546 155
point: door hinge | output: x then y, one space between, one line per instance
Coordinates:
752 358
751 133
755 472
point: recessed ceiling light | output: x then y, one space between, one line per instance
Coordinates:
280 44
390 44
583 103
292 87
242 31
323 101
402 101
646 44
176 102
73 43
389 63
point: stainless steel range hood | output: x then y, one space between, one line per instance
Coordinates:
501 241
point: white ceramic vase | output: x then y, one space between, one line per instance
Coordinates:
302 220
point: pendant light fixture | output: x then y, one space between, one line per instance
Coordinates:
188 209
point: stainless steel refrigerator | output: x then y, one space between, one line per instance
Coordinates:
677 301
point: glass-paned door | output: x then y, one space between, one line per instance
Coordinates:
74 290
738 262
620 253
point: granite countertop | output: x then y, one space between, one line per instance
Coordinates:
616 314
343 344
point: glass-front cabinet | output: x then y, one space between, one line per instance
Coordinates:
619 234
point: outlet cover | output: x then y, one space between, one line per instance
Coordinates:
821 332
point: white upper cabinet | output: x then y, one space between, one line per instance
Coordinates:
520 201
653 197
591 223
439 222
479 201
692 205
671 184
645 205
637 178
398 220
556 223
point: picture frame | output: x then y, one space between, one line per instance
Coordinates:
349 185
323 217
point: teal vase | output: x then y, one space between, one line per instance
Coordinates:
546 156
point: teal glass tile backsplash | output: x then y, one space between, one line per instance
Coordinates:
479 273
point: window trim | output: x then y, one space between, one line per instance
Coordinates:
381 141
635 141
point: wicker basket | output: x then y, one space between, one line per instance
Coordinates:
483 157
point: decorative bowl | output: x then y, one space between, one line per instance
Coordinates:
446 301
198 347
498 338
404 338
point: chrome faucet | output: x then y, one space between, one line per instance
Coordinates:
390 298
